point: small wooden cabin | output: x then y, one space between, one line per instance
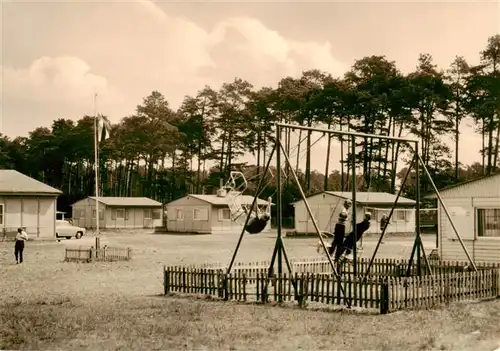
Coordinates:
327 205
117 212
206 214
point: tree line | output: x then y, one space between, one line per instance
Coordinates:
163 153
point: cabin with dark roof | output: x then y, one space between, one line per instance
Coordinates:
208 214
117 212
27 202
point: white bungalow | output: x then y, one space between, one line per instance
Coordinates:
118 212
327 205
474 207
26 202
206 214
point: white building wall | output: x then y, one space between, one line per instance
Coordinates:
83 216
47 221
212 221
326 209
187 224
37 214
220 225
13 208
30 214
462 203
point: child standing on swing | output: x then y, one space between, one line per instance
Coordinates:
341 227
348 245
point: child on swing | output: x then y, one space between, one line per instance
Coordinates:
349 244
340 229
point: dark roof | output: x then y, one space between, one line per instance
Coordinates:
13 182
370 197
466 182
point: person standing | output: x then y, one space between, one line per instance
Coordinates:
384 222
21 237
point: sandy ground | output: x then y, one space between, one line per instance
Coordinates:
49 304
46 274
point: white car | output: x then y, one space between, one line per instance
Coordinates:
65 229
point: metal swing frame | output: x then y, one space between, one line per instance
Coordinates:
279 250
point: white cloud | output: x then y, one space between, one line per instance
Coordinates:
67 79
51 88
266 49
123 51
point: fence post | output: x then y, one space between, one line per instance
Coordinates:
384 296
225 285
497 276
166 283
129 253
264 293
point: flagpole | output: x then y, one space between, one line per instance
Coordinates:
96 145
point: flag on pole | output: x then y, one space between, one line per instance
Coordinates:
103 128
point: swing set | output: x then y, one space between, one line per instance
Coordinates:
279 256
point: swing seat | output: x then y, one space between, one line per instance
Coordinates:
349 258
319 247
257 224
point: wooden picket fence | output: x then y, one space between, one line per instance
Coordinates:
104 254
379 268
428 291
386 289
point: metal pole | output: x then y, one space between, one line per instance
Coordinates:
354 227
417 214
316 227
447 213
261 182
337 132
96 146
390 216
278 198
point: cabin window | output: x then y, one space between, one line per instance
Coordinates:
119 213
157 214
101 214
200 214
488 222
1 214
78 213
148 213
179 214
401 215
224 214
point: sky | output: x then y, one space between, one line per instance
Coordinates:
56 55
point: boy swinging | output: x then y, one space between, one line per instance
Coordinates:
348 245
340 228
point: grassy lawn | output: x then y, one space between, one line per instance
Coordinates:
48 304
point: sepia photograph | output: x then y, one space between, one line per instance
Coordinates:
262 175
